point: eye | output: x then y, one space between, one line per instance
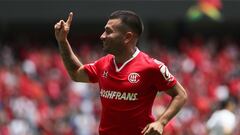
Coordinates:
108 31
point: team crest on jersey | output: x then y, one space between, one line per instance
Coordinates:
133 77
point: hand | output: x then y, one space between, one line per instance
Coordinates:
62 28
155 128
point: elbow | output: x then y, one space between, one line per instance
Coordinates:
184 97
73 77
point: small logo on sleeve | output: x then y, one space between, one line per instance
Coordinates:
133 77
166 74
105 74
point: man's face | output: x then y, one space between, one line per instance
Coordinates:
112 37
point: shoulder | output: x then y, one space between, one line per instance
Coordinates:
105 59
155 65
228 114
149 61
101 62
151 65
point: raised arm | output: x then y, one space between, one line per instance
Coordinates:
71 62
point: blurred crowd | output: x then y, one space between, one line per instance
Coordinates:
37 97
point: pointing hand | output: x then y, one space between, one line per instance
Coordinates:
62 28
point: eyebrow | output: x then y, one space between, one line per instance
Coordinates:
108 28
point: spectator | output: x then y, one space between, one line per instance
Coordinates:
223 121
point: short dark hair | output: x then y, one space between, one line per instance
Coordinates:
226 102
130 19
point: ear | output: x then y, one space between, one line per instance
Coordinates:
128 37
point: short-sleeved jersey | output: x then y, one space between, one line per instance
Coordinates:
127 92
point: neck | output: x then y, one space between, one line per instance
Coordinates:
125 55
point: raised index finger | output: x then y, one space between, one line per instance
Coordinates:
69 20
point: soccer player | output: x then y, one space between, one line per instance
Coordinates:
128 78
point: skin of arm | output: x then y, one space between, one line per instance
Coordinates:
179 97
71 62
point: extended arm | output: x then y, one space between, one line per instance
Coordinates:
71 62
179 97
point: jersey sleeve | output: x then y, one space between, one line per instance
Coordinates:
163 79
91 70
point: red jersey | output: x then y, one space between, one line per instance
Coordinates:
127 92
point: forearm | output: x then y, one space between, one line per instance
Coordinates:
70 60
179 98
174 107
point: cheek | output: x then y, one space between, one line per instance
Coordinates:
114 40
118 39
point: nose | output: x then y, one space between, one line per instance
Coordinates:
103 36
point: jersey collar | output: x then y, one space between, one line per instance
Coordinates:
125 63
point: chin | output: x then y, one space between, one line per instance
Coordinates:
107 51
